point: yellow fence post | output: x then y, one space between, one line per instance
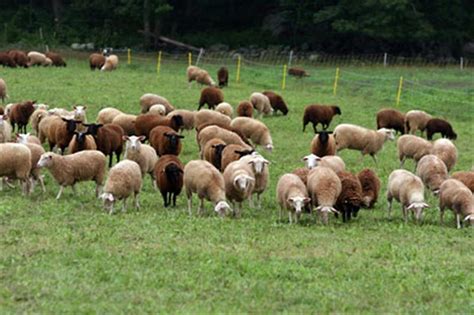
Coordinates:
158 63
237 78
190 58
129 56
336 79
283 80
399 93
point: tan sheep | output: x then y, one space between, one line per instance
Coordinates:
41 111
107 115
212 152
261 103
292 195
432 171
324 187
207 116
143 154
416 120
15 163
158 109
413 147
225 109
334 162
3 90
127 122
239 184
454 195
188 117
255 130
37 59
233 152
111 63
446 151
5 129
204 78
466 177
259 167
148 100
323 144
227 136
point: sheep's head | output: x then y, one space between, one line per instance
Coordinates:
337 110
243 182
298 203
244 152
323 136
269 147
311 160
93 128
133 142
173 139
80 138
108 199
222 208
71 125
79 112
417 208
470 218
22 137
218 148
258 163
46 159
40 106
323 212
177 121
389 133
158 109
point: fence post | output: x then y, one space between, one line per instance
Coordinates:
399 93
385 59
201 51
290 58
190 58
336 79
237 77
461 63
158 63
129 56
283 81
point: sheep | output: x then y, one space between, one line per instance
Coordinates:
391 119
108 139
297 72
259 168
127 122
124 180
233 152
192 73
27 138
107 115
211 96
239 184
261 103
225 126
202 178
292 195
36 59
169 178
5 129
302 173
416 120
323 144
48 62
408 190
245 109
20 114
188 117
61 112
225 109
435 125
432 172
410 146
15 162
79 113
61 133
158 109
39 113
141 153
145 123
446 151
96 61
324 187
147 100
44 127
350 198
319 114
81 141
204 78
332 161
454 195
19 57
6 60
212 152
35 172
254 130
277 102
111 63
165 141
223 77
56 59
370 184
3 90
367 141
227 136
466 177
206 116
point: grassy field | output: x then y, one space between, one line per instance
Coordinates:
68 256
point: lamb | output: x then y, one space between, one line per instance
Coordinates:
259 168
108 139
145 123
277 102
254 130
446 151
27 138
96 61
466 177
5 129
302 173
36 152
225 109
350 198
188 117
331 161
245 109
211 96
212 152
124 180
36 59
3 90
165 141
416 120
111 63
454 195
408 189
158 109
6 60
261 103
391 119
223 77
127 122
233 152
319 114
297 72
39 113
227 136
56 59
19 57
169 178
15 162
432 172
435 125
410 146
107 115
206 116
324 187
69 169
141 153
292 195
81 141
20 114
148 100
367 141
370 184
323 144
202 178
239 184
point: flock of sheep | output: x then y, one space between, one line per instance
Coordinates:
229 170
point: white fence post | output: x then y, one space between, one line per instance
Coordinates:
201 51
461 63
385 59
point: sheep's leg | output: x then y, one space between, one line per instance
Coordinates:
389 200
97 190
61 188
458 221
174 199
280 216
201 207
441 215
41 180
402 161
190 205
374 157
153 182
251 204
290 217
314 128
405 213
124 205
111 211
165 201
110 160
259 201
297 217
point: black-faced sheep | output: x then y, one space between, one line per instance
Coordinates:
223 77
165 140
454 195
212 152
108 139
297 72
442 126
292 195
245 109
323 144
319 114
169 178
350 198
277 102
81 141
188 117
211 96
391 119
370 184
233 152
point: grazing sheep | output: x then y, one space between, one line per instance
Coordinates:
302 173
69 169
204 78
292 195
35 172
202 178
148 100
245 109
158 109
107 115
19 57
165 141
111 63
56 59
432 172
261 103
211 96
324 187
332 161
233 152
124 180
188 117
5 129
446 151
435 125
212 152
223 77
391 119
350 198
15 163
454 195
416 120
255 130
210 117
145 123
212 131
81 141
367 141
322 114
192 73
277 102
408 190
323 144
36 59
239 184
141 153
108 139
6 60
370 184
96 61
27 138
297 72
410 146
259 168
3 90
169 178
20 114
225 109
127 122
39 113
466 177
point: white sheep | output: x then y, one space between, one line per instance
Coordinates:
454 195
188 117
69 169
61 112
446 151
3 90
207 116
239 184
260 171
416 120
332 161
202 178
158 109
37 59
15 162
125 179
324 187
432 171
5 129
225 108
143 154
292 195
111 63
148 100
261 103
255 130
107 115
413 147
408 190
367 141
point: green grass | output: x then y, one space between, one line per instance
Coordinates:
69 256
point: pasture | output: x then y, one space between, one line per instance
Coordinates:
69 256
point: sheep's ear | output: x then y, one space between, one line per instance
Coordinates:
141 138
99 125
86 125
84 107
425 205
306 199
125 138
469 217
34 102
304 159
74 107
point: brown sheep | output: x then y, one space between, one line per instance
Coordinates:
212 152
319 114
233 152
277 102
297 72
56 58
223 77
370 187
6 60
20 114
96 61
81 141
169 177
19 57
146 122
61 133
127 122
391 119
108 139
323 144
466 177
165 140
211 96
350 198
435 125
245 109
